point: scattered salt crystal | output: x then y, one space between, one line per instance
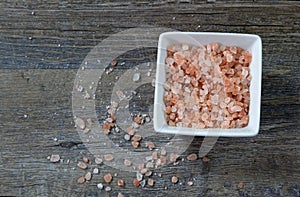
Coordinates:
88 176
114 62
127 162
143 183
81 180
127 137
147 118
205 159
98 160
109 70
173 157
150 145
86 130
108 189
150 182
82 165
120 194
80 123
136 77
54 158
100 186
192 157
85 159
136 182
149 164
139 176
121 183
174 179
135 144
108 157
107 178
95 171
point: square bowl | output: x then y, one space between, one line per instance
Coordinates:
249 42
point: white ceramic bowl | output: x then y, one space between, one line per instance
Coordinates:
249 42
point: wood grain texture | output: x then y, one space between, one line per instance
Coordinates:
43 43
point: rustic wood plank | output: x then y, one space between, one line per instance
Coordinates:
43 44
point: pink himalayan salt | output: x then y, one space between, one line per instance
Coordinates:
207 87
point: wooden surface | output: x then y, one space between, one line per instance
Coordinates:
43 43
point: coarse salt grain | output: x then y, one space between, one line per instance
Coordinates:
137 138
149 173
150 182
121 183
174 179
141 166
114 62
54 158
127 137
144 171
205 159
80 123
95 171
150 145
149 165
192 157
88 176
136 77
98 160
108 157
100 186
127 162
139 176
108 189
136 183
107 178
120 195
135 144
143 183
173 157
81 180
85 160
163 151
240 185
82 165
154 155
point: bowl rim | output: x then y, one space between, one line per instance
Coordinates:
230 132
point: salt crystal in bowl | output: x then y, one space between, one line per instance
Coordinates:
208 89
